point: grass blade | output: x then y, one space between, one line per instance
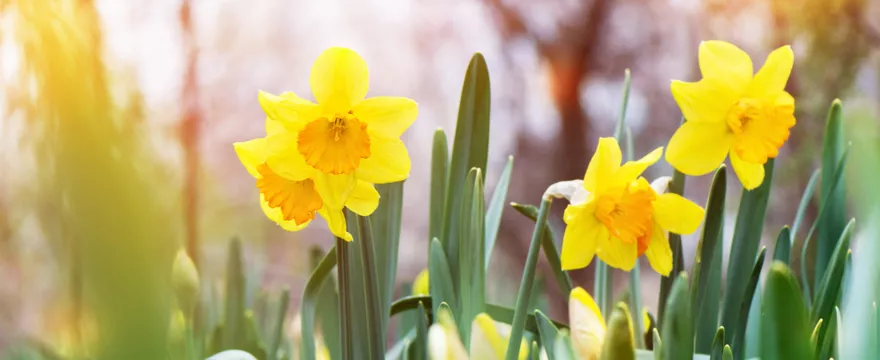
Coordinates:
786 333
829 291
706 280
833 195
744 248
470 149
496 207
548 246
718 345
439 177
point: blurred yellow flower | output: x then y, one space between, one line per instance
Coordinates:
617 215
421 286
344 135
587 325
730 111
488 340
292 202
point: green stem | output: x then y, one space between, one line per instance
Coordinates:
522 297
602 287
342 272
635 303
374 308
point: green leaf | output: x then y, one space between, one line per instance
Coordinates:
562 347
548 247
753 330
470 149
310 300
439 177
706 281
658 345
440 280
814 337
496 312
547 332
635 303
824 209
744 248
786 333
827 345
234 324
676 186
535 352
496 207
833 195
718 345
618 344
374 316
829 290
280 316
739 336
805 202
352 295
386 224
677 326
526 284
419 347
472 295
782 251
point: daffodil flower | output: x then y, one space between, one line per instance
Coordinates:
343 136
617 215
731 111
292 202
489 339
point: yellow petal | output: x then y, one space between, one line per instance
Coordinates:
339 79
251 153
774 74
724 61
698 148
582 232
707 100
387 116
750 174
364 199
485 342
277 216
676 214
335 222
587 325
388 162
422 283
334 189
283 156
288 107
617 253
604 163
659 253
632 169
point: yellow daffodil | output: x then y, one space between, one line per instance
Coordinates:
617 215
343 136
421 286
587 325
489 339
730 111
292 202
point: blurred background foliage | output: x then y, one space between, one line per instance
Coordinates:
118 118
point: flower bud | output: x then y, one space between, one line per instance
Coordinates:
185 281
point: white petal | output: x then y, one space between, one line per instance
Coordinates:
661 184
